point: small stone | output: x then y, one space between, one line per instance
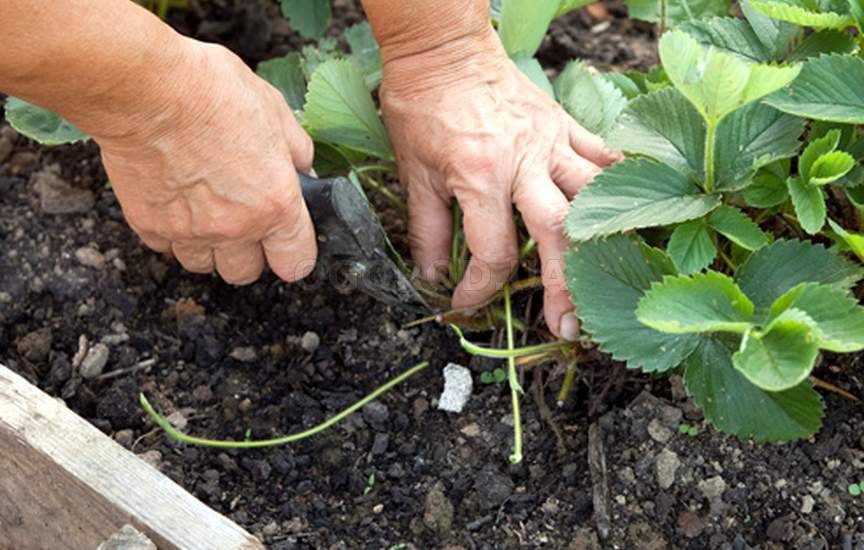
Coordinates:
90 257
585 538
690 524
659 432
458 386
438 510
380 444
377 414
471 430
551 506
270 529
125 438
244 354
713 487
23 162
58 197
421 405
127 538
310 342
94 362
36 346
202 393
493 489
178 420
153 458
260 469
807 504
378 508
667 465
6 147
9 133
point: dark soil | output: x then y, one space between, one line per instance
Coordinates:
401 474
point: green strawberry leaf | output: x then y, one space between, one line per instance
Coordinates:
662 125
809 203
735 406
340 110
815 149
628 88
855 241
729 35
750 138
828 88
606 279
632 194
775 269
286 75
777 36
40 124
766 190
678 11
308 17
736 226
835 317
704 302
365 53
802 15
531 68
691 247
780 358
522 24
717 83
823 42
830 167
593 101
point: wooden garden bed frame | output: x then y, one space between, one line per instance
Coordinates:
64 484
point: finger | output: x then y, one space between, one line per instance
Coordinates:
491 236
290 248
194 258
240 264
154 242
302 148
571 172
592 147
430 230
544 207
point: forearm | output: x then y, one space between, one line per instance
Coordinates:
446 35
103 64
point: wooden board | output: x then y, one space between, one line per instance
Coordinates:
64 484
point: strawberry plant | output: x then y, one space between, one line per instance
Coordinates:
690 255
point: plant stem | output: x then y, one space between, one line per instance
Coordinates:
385 168
709 156
510 352
512 375
458 247
386 193
569 377
527 248
664 15
172 432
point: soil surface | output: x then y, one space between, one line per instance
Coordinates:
610 468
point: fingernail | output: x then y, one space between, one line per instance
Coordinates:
569 327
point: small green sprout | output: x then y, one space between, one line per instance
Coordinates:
687 429
493 377
856 489
370 484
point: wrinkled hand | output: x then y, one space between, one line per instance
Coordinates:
468 124
211 176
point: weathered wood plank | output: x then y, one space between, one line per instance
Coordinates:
64 484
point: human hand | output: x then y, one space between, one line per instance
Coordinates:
466 123
211 176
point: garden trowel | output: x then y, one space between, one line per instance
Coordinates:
353 249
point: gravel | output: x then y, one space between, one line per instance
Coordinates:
94 362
